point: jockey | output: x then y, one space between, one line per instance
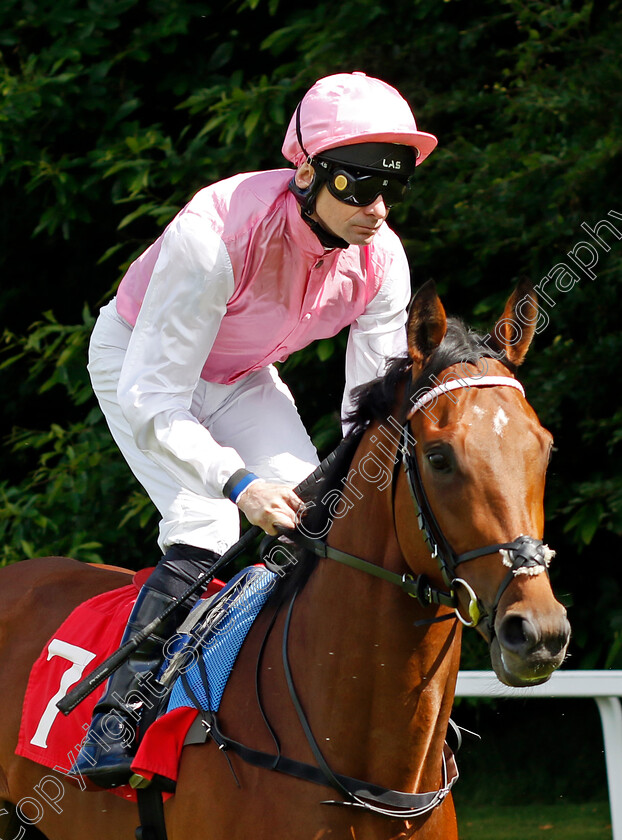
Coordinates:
182 360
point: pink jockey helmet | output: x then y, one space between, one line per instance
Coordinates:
350 108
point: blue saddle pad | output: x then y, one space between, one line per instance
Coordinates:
209 649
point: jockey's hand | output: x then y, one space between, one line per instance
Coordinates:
270 506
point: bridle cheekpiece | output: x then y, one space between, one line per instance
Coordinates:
525 555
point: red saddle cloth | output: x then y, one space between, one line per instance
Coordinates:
90 634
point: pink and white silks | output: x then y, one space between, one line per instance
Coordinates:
182 361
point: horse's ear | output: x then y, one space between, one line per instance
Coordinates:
514 331
427 323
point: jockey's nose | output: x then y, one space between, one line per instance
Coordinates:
378 208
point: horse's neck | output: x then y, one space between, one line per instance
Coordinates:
379 689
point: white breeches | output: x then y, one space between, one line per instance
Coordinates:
255 416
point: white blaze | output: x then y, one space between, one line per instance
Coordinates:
500 422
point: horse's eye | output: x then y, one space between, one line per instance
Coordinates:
439 462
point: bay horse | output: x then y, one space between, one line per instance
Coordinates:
450 508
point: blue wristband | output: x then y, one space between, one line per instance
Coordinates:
242 479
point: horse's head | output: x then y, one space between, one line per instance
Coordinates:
476 465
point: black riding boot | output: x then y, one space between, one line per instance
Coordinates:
110 745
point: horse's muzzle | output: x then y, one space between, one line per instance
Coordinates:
527 648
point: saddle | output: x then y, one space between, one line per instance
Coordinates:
194 675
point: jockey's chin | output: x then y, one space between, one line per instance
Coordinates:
357 225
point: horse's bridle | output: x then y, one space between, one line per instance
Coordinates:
525 555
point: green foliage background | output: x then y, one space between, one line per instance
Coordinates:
114 112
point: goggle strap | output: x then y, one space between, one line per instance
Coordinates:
299 133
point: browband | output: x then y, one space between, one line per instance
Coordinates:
464 382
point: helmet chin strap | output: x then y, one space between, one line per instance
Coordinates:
328 240
306 198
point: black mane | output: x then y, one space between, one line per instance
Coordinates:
376 399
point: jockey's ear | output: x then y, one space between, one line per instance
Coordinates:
514 331
304 175
427 324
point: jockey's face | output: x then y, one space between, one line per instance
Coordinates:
357 225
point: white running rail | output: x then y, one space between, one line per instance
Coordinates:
604 686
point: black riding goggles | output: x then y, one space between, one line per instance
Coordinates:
361 188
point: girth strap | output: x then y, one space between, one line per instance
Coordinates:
151 812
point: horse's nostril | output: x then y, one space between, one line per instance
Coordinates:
558 641
517 634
